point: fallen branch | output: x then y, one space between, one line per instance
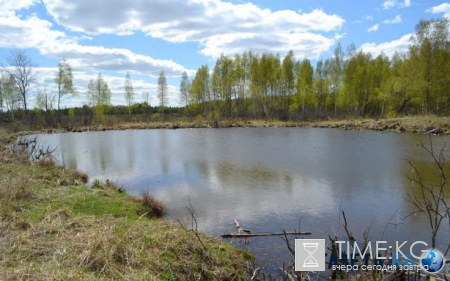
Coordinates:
264 234
435 132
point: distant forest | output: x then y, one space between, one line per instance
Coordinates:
350 84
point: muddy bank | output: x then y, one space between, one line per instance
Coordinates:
417 125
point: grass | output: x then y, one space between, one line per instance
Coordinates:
53 227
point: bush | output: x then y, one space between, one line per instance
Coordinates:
152 207
96 184
46 163
80 176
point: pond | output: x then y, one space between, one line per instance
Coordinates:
270 179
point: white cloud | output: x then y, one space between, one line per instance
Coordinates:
87 61
443 8
303 44
388 48
33 32
373 28
388 4
201 21
97 58
13 5
28 33
369 18
339 36
397 19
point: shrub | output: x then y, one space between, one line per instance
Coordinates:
46 163
96 184
80 176
152 206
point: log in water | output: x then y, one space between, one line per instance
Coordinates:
264 234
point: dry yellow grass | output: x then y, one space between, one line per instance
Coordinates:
55 231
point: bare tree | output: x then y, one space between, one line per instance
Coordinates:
21 69
45 100
429 196
145 97
1 97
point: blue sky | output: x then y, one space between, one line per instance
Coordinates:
143 37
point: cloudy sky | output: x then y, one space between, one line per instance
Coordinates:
145 36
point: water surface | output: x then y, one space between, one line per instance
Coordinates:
271 179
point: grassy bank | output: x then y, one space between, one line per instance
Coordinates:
52 227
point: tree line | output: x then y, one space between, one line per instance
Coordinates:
18 81
351 83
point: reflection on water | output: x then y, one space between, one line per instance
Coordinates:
269 178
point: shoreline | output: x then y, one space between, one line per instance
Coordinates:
414 124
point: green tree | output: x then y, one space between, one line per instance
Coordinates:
129 92
288 79
99 94
429 53
381 67
10 94
241 70
185 87
358 80
45 100
320 86
64 82
336 75
304 84
200 90
258 87
162 91
402 88
222 84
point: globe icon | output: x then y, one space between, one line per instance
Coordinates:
432 261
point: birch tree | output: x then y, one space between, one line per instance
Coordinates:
129 91
162 91
64 82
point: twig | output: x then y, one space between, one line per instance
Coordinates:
191 211
351 239
264 234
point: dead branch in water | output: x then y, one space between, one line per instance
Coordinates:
264 234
